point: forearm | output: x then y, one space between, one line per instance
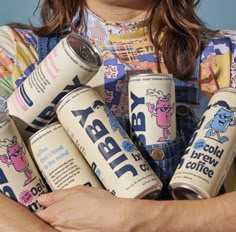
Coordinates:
83 208
15 217
210 215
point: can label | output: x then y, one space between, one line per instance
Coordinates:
65 68
19 178
210 153
152 108
105 145
59 160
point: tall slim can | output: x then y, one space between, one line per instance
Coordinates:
211 150
19 177
72 63
106 146
59 160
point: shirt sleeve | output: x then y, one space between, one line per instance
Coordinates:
18 58
231 34
218 63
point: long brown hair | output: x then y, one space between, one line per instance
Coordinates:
177 33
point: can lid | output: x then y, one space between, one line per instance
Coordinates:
70 93
84 50
183 191
151 193
39 132
227 89
151 74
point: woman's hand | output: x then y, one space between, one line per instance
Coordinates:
88 209
83 209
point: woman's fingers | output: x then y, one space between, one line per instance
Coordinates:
56 196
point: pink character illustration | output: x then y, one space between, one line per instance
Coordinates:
16 156
163 111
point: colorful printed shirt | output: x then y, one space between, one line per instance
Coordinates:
18 58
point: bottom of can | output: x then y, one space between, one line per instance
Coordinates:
151 193
182 191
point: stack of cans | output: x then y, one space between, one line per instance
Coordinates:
87 146
74 139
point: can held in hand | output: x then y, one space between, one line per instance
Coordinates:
211 150
19 177
105 145
59 160
72 63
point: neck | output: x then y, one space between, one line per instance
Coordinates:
120 11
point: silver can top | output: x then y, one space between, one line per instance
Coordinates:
84 50
186 192
227 89
41 131
63 99
151 74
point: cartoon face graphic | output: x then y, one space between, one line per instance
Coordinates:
17 156
163 109
222 119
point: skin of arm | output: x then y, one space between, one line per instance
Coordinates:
17 218
93 210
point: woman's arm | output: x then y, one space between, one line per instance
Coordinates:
88 209
17 218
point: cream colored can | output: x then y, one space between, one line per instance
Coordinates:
59 160
152 107
211 151
105 145
72 63
19 177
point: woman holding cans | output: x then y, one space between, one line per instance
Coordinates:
133 37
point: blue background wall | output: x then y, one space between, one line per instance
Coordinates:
18 11
218 14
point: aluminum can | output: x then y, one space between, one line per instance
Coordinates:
106 146
59 160
152 114
19 177
72 63
152 107
211 151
